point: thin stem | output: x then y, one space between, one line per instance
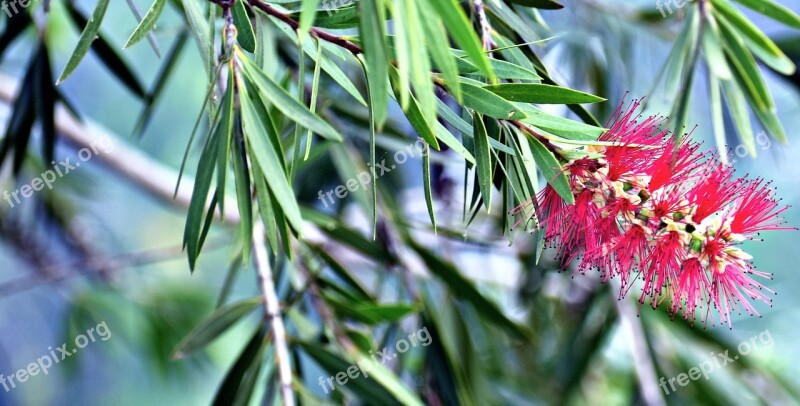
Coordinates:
541 138
486 28
316 32
273 312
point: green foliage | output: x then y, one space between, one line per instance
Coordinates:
384 74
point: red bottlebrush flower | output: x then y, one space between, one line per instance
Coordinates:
662 266
575 226
667 212
634 140
715 190
666 202
691 292
756 209
621 255
732 287
675 165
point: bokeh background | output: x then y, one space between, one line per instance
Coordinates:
150 307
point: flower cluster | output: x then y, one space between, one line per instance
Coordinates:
652 208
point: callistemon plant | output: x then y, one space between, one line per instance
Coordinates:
651 208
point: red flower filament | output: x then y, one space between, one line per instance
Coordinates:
664 212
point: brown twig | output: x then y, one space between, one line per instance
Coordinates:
356 50
316 32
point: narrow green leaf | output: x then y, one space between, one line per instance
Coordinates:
741 117
337 18
328 66
371 314
443 59
414 114
151 38
541 94
243 373
713 49
527 160
147 23
214 326
448 139
314 96
748 74
287 104
301 98
490 104
243 197
403 49
421 78
483 159
376 60
85 41
261 148
390 381
501 69
266 209
364 388
108 56
202 33
560 126
225 131
551 169
773 10
244 27
459 27
676 61
426 180
717 119
308 13
192 235
349 237
342 272
465 290
45 100
197 121
769 119
372 158
757 41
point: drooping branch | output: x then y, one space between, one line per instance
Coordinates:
357 50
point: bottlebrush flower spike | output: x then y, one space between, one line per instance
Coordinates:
662 211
